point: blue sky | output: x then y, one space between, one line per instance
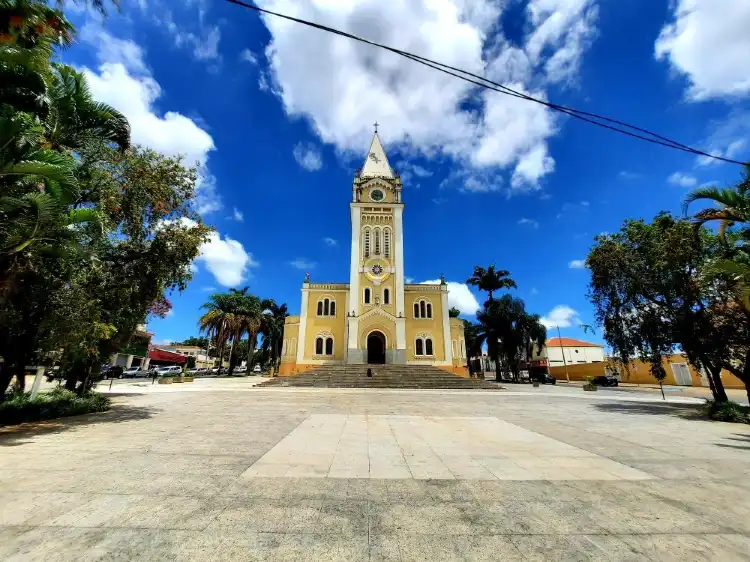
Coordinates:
279 117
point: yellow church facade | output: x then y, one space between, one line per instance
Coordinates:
376 318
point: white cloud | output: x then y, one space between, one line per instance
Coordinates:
113 50
308 156
577 264
682 180
237 215
459 296
727 138
208 289
248 56
123 81
225 258
530 222
708 42
342 86
330 242
301 263
626 175
409 280
204 45
562 316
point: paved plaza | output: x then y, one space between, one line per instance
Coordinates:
222 471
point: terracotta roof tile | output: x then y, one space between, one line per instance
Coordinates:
570 342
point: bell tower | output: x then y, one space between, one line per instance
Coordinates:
376 282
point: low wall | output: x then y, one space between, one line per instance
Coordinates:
639 372
578 371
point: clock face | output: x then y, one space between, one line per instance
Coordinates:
374 157
377 269
377 195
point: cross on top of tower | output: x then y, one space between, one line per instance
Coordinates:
376 125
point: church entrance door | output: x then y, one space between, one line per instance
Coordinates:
376 348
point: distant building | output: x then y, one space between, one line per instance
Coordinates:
575 351
136 353
201 359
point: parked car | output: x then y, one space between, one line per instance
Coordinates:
169 371
605 380
112 372
240 369
256 369
545 378
132 372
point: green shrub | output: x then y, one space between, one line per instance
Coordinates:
58 403
727 411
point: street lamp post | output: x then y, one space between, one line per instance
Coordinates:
562 349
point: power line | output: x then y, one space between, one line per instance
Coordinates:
593 118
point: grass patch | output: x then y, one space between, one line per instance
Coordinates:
727 411
58 403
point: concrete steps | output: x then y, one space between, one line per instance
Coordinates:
384 376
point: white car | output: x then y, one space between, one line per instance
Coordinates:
169 371
240 369
132 372
256 369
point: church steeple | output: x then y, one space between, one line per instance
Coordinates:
376 163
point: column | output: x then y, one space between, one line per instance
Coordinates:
446 326
398 242
302 323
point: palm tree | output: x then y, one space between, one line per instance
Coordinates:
272 328
219 321
75 117
491 280
735 204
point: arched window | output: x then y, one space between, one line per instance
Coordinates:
422 309
293 345
419 348
386 296
367 295
376 233
428 346
333 308
453 348
320 308
367 242
387 242
319 346
329 346
429 310
416 310
284 347
463 347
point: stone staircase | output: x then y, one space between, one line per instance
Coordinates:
384 376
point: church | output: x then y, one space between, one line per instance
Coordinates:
376 318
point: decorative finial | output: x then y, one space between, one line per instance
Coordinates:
307 277
376 125
442 279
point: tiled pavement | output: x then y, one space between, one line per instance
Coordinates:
332 475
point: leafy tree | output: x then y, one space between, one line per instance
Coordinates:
734 203
201 342
651 294
453 312
491 280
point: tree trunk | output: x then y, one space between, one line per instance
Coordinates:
720 395
250 350
20 372
5 376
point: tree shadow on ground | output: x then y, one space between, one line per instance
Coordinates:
685 411
14 435
744 442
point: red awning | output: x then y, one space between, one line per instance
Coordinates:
166 356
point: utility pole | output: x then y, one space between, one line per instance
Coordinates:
562 349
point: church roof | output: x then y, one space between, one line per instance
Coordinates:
376 163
